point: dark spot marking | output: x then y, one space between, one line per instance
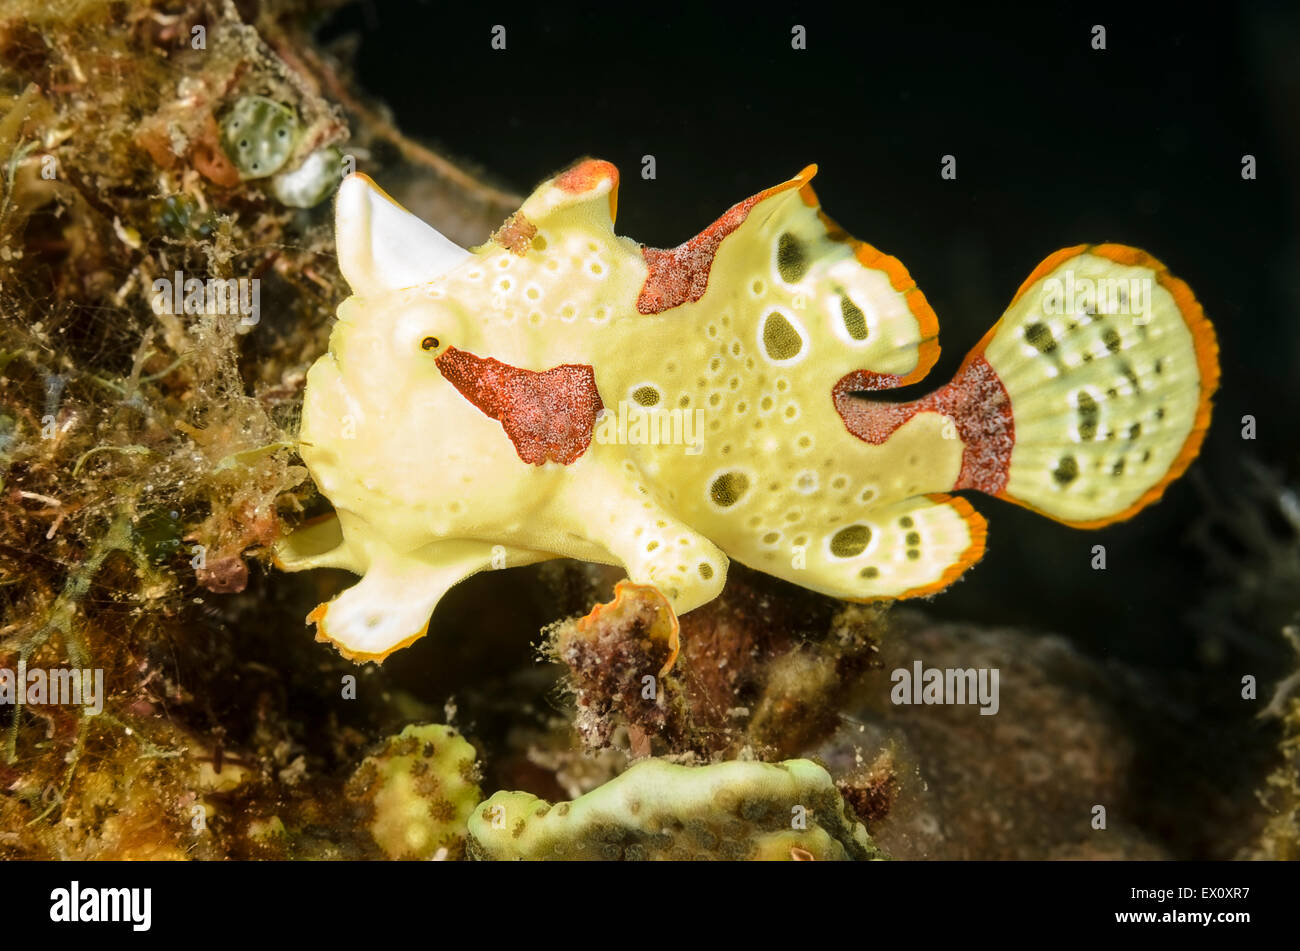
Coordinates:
728 488
906 522
913 554
791 258
855 322
1135 431
870 571
1066 471
1040 338
1118 468
1088 415
780 338
1131 377
850 541
913 538
706 570
646 395
1110 337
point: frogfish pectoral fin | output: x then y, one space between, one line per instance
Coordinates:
390 607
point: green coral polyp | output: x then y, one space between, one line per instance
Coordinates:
259 135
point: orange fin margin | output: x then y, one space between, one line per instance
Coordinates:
1204 343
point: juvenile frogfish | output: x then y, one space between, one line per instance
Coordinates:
564 392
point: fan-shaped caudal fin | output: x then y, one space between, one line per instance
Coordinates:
906 550
804 291
1109 366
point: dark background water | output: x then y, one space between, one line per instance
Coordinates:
1056 144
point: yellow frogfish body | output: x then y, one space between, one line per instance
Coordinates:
565 392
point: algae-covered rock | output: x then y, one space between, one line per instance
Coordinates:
420 789
1071 734
1279 839
147 449
764 667
660 810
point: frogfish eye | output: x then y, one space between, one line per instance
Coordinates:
429 343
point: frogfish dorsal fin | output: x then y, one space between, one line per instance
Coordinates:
583 195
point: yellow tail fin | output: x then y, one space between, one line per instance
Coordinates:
1110 366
